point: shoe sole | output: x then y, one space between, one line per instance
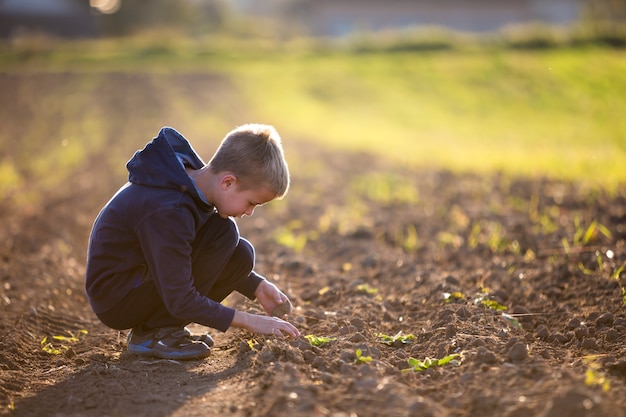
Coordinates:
141 351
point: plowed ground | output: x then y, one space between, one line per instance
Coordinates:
516 282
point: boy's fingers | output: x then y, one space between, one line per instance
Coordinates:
282 309
286 329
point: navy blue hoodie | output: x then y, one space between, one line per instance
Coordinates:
158 211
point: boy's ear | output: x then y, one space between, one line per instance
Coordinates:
227 181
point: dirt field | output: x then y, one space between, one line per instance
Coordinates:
515 285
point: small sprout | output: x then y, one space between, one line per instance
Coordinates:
252 344
418 366
398 338
411 240
366 288
483 299
530 255
360 358
48 348
593 230
584 269
456 295
494 305
288 237
324 290
595 377
71 338
319 340
51 349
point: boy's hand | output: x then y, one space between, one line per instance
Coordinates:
264 325
270 298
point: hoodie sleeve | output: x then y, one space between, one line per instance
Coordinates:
166 237
250 284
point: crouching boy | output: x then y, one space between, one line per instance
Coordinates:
165 250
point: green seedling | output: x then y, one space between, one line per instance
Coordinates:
493 236
496 240
288 238
386 188
615 275
593 230
449 239
566 247
583 237
49 347
360 358
456 295
474 236
397 338
617 272
252 344
366 288
493 305
417 366
410 241
319 340
595 377
584 269
483 299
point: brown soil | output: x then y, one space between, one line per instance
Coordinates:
373 264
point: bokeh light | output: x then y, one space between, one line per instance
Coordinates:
106 6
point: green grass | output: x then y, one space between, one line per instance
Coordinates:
555 112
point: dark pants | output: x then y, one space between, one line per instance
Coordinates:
221 260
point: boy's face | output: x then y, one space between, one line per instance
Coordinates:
238 202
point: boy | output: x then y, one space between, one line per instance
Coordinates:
165 251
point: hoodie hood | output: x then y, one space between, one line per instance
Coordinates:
158 164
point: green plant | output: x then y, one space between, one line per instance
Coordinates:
494 305
616 276
411 241
417 365
484 300
451 296
360 358
252 344
617 272
54 348
496 239
594 376
288 237
583 237
584 269
397 338
319 340
366 288
386 188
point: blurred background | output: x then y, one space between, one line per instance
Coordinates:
102 18
523 87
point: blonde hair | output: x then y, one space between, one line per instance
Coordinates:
254 154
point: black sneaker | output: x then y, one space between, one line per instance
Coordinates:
169 343
205 338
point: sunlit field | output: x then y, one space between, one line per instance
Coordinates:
553 112
455 220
